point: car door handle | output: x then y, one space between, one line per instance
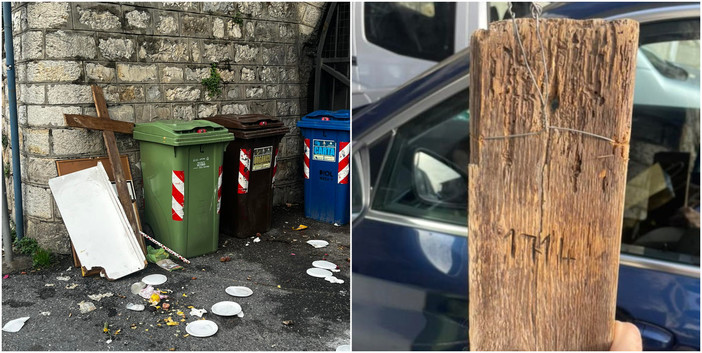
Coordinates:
655 337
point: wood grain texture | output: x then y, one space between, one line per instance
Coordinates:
93 123
113 154
545 211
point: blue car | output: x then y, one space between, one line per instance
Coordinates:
410 252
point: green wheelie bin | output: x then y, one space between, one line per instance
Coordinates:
181 164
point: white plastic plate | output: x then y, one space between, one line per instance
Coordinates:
226 308
318 272
201 328
155 279
318 243
325 265
236 291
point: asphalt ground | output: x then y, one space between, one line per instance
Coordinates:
289 310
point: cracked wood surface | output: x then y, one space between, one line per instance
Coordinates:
545 211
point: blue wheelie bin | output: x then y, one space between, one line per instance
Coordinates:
327 165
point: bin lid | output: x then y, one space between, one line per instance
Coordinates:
182 133
326 120
250 125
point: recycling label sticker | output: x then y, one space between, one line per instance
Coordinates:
262 158
324 150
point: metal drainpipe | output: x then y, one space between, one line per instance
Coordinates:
12 102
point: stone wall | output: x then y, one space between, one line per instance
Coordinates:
150 58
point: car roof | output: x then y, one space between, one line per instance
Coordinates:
583 10
457 65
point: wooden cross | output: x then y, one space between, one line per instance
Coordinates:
108 127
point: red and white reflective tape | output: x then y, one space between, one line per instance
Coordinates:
219 189
344 151
307 159
178 195
244 168
275 166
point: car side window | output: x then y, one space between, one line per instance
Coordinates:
662 205
423 30
425 175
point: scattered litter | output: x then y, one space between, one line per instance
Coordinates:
318 272
197 312
146 292
288 323
247 244
48 285
46 313
326 265
155 298
279 286
257 240
135 307
301 227
108 341
318 243
71 286
169 321
68 269
155 279
15 325
343 348
5 276
225 259
137 287
292 253
337 225
238 291
86 307
226 308
168 265
63 278
333 279
97 297
155 255
201 328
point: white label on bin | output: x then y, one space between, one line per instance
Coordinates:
201 162
262 158
324 150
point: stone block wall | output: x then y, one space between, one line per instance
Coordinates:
150 58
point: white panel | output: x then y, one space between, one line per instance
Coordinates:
96 223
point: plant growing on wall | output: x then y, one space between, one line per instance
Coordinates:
213 82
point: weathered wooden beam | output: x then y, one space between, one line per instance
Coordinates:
545 210
93 123
113 154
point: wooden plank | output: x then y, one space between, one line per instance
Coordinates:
545 210
91 122
113 154
68 166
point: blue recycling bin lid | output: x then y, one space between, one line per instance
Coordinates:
327 120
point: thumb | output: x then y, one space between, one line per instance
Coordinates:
626 337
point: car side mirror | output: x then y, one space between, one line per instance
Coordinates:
435 180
